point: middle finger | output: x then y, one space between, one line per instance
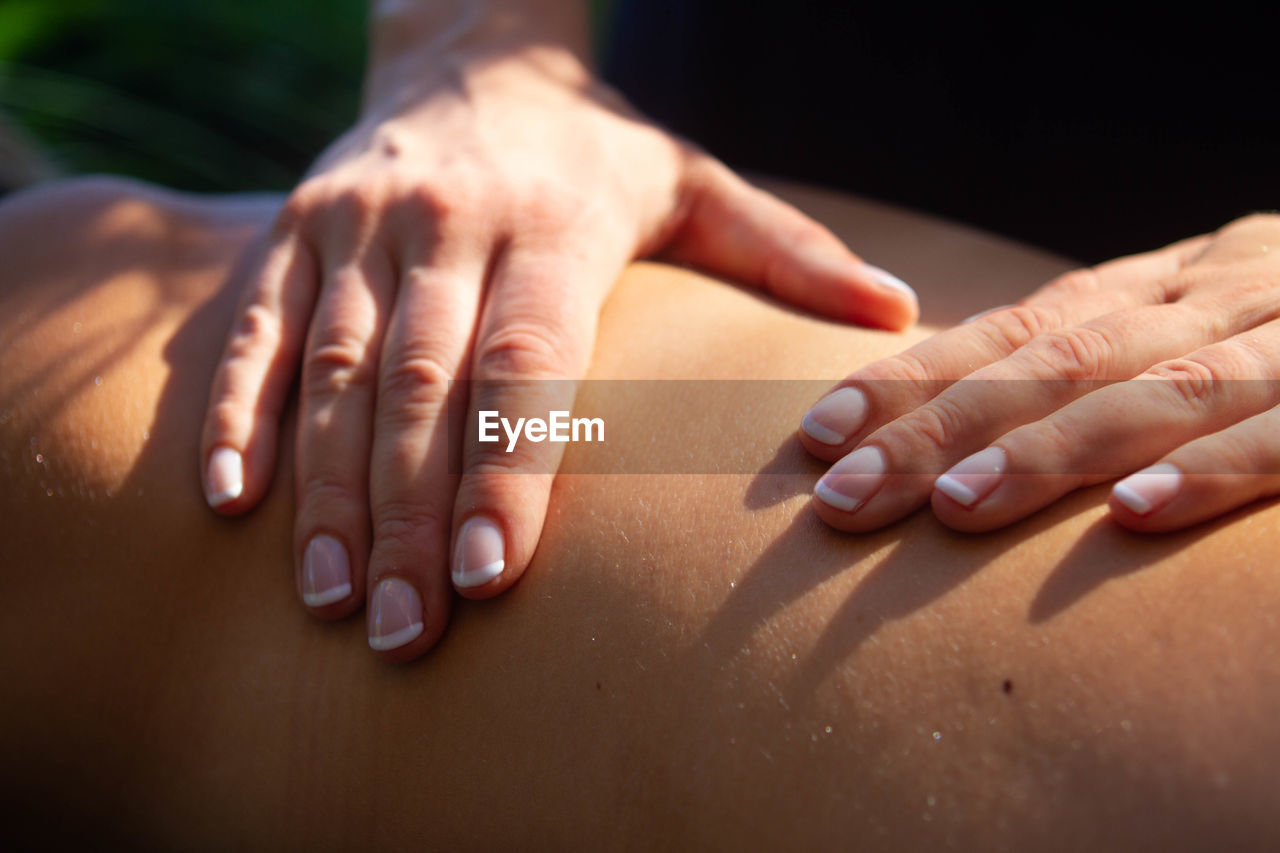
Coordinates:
879 392
411 487
859 493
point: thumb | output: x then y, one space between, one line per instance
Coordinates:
739 231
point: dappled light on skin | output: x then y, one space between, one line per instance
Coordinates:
79 333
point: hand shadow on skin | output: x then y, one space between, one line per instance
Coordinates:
1100 555
762 590
902 584
791 472
909 579
100 218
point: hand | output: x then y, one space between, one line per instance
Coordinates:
1197 319
474 232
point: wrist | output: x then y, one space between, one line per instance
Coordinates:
417 47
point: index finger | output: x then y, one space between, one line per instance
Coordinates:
535 340
876 394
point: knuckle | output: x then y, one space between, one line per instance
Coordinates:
1075 283
361 202
1017 325
1051 446
1195 286
324 490
488 470
432 203
1252 221
1075 354
523 350
300 207
256 329
1237 451
339 359
227 416
235 397
905 367
488 463
415 380
902 378
1241 241
1167 290
1189 378
1259 285
1198 377
407 527
446 201
937 424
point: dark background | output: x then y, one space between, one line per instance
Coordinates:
1091 131
219 95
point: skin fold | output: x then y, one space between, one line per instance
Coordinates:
690 660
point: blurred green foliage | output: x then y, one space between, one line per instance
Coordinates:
221 95
213 95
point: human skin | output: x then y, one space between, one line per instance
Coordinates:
469 226
693 661
1195 325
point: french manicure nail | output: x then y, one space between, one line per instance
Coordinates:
395 615
974 477
836 417
480 554
326 572
1149 489
853 480
225 476
887 279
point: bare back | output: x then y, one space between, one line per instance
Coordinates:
692 659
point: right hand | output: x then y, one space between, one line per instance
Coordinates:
470 230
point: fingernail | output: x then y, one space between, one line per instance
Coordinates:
982 314
974 477
887 279
480 554
225 476
1149 489
836 417
853 480
326 572
395 615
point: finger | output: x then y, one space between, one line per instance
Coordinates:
1203 479
335 415
1236 276
744 233
1147 278
1041 377
1114 430
534 342
886 389
254 375
411 488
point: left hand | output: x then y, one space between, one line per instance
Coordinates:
1198 319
